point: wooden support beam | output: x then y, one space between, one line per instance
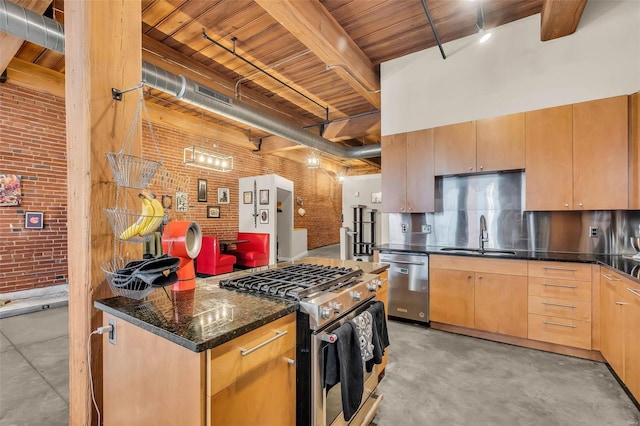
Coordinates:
103 50
35 77
353 128
312 24
560 18
11 44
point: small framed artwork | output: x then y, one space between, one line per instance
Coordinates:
167 202
376 197
10 190
213 212
33 220
182 202
247 197
264 196
223 195
264 216
202 190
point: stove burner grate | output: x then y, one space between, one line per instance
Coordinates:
293 281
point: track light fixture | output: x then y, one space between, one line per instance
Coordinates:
484 35
200 157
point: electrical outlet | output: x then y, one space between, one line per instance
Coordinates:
112 333
426 229
404 228
593 231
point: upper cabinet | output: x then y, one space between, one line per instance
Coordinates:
500 143
487 145
549 153
601 154
455 148
407 172
577 156
634 151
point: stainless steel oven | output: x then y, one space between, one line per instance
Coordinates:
328 402
328 296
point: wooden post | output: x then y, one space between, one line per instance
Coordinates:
103 50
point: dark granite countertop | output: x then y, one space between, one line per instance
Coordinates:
621 263
198 319
209 316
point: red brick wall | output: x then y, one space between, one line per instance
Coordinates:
32 144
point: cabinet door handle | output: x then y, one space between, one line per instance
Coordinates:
621 303
290 361
610 278
559 285
559 324
470 168
566 204
634 291
579 204
562 305
278 335
551 268
481 167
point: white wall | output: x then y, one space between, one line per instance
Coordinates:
363 186
514 71
246 223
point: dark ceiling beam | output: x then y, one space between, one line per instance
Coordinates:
560 18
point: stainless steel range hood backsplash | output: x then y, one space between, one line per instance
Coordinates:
500 197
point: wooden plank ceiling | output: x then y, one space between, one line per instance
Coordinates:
328 50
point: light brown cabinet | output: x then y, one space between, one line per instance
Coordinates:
486 145
634 151
577 156
152 380
500 143
559 303
252 379
600 154
549 153
483 294
451 296
408 181
455 148
620 318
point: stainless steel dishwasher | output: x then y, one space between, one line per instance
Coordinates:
408 285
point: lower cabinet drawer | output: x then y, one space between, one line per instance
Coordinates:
561 308
561 331
561 289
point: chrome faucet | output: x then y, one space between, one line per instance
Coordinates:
484 234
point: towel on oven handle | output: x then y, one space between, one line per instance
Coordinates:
380 338
344 365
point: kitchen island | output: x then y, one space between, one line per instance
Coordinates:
205 356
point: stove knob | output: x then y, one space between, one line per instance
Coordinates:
325 313
374 285
337 306
356 295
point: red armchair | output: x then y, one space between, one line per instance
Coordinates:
253 253
210 261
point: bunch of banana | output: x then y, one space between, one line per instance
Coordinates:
150 218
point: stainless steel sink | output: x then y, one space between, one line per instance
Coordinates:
478 251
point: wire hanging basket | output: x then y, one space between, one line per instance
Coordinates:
128 225
123 284
131 171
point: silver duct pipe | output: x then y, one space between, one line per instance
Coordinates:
26 24
46 32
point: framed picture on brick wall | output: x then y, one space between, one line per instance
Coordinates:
10 190
33 220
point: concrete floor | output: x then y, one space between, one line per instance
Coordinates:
433 378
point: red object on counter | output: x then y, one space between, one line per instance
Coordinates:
183 240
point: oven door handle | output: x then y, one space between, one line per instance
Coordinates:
278 335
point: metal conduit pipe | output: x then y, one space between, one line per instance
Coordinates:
26 24
19 22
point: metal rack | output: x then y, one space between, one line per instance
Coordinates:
364 230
